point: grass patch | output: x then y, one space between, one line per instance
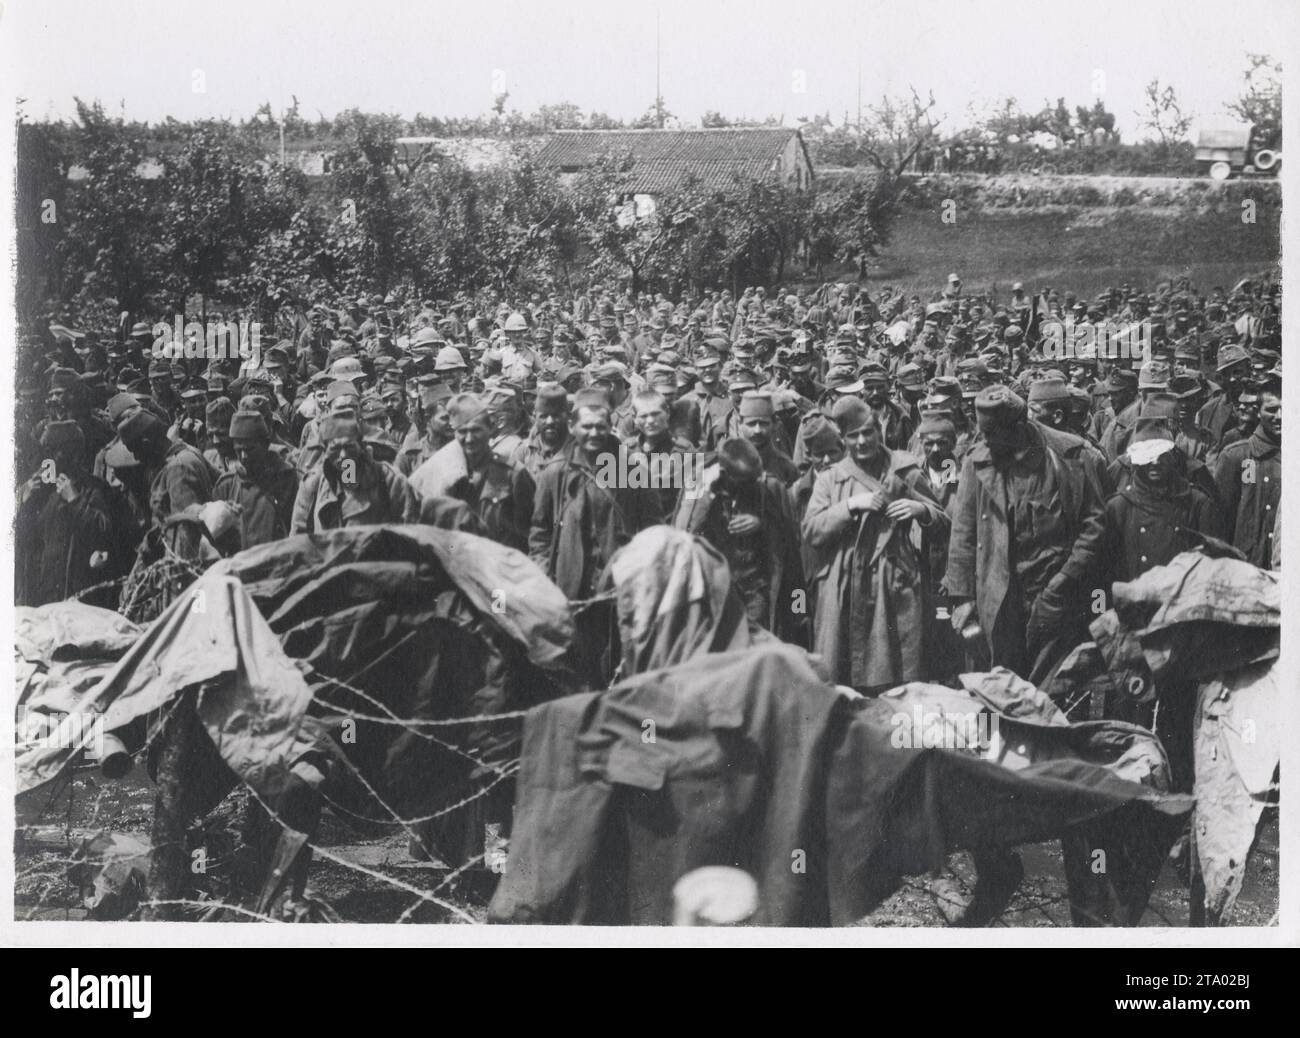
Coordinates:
1080 250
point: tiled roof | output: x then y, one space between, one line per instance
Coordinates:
665 159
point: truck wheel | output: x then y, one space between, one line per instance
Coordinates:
1220 171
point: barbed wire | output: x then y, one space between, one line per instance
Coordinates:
407 723
97 587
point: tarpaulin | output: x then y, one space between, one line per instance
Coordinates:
1022 727
757 763
674 600
1238 748
374 630
1200 616
252 697
62 650
319 576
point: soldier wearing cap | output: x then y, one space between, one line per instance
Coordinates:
1027 530
177 475
1193 439
896 426
584 512
117 467
263 487
954 351
550 431
161 386
1015 347
139 343
871 588
433 398
505 413
1049 402
257 394
278 370
747 515
709 395
1157 511
499 492
1079 414
313 342
802 377
1153 378
189 424
398 429
1119 392
220 452
937 441
1219 413
335 396
72 530
655 445
755 421
820 445
66 399
1248 474
612 378
1155 515
347 487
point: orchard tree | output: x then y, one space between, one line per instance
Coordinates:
1163 115
1260 102
112 249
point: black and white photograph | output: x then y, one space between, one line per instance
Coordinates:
601 469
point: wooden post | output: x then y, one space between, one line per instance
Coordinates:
169 862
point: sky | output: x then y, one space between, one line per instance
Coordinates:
791 59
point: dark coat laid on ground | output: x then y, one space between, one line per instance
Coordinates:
871 588
758 764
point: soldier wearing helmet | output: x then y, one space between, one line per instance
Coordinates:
450 367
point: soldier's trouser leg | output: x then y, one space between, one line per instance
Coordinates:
1174 729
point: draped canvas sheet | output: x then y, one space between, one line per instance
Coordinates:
415 622
756 762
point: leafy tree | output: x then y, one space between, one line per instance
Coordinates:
213 220
1260 102
113 250
41 212
361 196
1096 125
1163 115
1057 122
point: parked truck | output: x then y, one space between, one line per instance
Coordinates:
1234 151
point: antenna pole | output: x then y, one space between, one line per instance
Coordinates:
659 94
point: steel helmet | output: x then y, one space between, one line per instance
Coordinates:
449 359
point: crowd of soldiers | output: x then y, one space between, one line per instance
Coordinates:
906 486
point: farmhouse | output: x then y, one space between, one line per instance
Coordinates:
664 160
